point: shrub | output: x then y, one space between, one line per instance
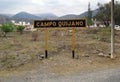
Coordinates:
7 28
20 29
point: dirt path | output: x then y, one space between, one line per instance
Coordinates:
108 75
62 69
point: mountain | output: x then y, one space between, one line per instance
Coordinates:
83 15
25 15
69 16
47 16
94 12
4 19
8 15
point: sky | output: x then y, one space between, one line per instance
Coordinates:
57 7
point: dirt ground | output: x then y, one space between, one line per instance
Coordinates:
19 53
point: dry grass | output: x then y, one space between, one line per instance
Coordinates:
20 52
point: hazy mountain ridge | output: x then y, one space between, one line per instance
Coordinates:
82 15
50 15
4 19
8 15
69 16
24 16
94 12
47 16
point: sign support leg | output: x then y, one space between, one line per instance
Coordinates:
73 42
46 43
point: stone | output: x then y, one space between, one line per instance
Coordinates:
41 57
101 54
85 55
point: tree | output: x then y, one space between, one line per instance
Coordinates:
20 29
117 13
89 15
104 13
7 28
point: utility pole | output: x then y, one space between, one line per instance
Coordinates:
112 30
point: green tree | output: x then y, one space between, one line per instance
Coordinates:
7 28
20 29
89 15
117 13
104 13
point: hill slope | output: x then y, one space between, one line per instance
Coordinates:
69 16
47 16
25 15
4 19
94 12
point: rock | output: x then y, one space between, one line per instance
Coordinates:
101 54
85 55
77 57
104 55
70 31
89 61
41 57
107 55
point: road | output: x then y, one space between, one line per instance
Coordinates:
108 75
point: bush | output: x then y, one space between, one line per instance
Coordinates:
20 29
7 28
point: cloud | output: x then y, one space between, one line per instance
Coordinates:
59 7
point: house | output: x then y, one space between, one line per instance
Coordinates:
28 26
101 24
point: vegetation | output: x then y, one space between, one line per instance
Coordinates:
89 15
20 29
105 34
20 50
104 13
7 28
